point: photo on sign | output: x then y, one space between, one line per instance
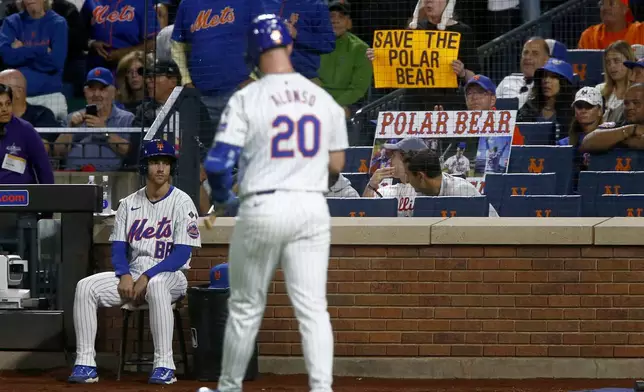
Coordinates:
462 151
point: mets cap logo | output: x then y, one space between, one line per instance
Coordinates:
217 275
476 77
557 62
276 36
160 146
97 72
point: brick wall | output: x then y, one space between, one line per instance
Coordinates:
457 301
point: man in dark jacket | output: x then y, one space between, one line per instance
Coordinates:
161 78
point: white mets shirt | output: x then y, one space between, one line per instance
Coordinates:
450 186
457 165
286 125
152 229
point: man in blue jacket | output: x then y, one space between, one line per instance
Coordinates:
310 26
35 42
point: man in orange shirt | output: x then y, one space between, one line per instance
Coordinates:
617 24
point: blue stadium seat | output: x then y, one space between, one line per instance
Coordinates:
499 187
385 207
592 185
619 159
358 180
449 206
507 104
543 206
621 205
537 133
588 64
357 159
545 159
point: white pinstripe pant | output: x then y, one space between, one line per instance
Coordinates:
101 290
291 228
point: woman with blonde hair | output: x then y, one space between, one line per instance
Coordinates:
616 79
129 80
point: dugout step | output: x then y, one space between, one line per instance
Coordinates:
208 310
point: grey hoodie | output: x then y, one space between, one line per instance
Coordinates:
342 188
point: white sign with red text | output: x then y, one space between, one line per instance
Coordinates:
469 143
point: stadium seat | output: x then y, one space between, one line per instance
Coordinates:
588 64
507 104
499 187
450 206
592 185
358 180
545 159
618 159
537 133
357 159
542 206
620 205
341 207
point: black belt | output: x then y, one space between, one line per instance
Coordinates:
264 192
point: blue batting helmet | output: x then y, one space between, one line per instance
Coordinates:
156 148
266 32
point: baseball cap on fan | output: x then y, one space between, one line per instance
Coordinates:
101 75
219 277
590 95
406 145
486 83
633 64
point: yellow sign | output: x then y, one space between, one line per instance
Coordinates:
415 58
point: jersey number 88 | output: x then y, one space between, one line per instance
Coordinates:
307 122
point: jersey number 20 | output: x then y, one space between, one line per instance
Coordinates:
300 127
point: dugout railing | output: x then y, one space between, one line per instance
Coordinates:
59 251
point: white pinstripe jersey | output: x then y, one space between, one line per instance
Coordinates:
286 125
153 228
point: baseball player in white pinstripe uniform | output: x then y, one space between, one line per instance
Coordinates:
158 224
288 134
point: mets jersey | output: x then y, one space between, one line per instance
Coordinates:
152 229
286 126
457 165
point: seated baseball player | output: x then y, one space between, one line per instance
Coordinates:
157 226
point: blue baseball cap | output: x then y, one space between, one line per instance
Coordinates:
101 75
219 277
557 67
634 64
557 49
462 145
481 80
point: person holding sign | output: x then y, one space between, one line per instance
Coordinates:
402 191
426 73
551 97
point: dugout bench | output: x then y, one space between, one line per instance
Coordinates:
46 324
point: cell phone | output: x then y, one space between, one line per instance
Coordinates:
92 110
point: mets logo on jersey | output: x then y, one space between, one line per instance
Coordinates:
206 20
102 14
193 230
